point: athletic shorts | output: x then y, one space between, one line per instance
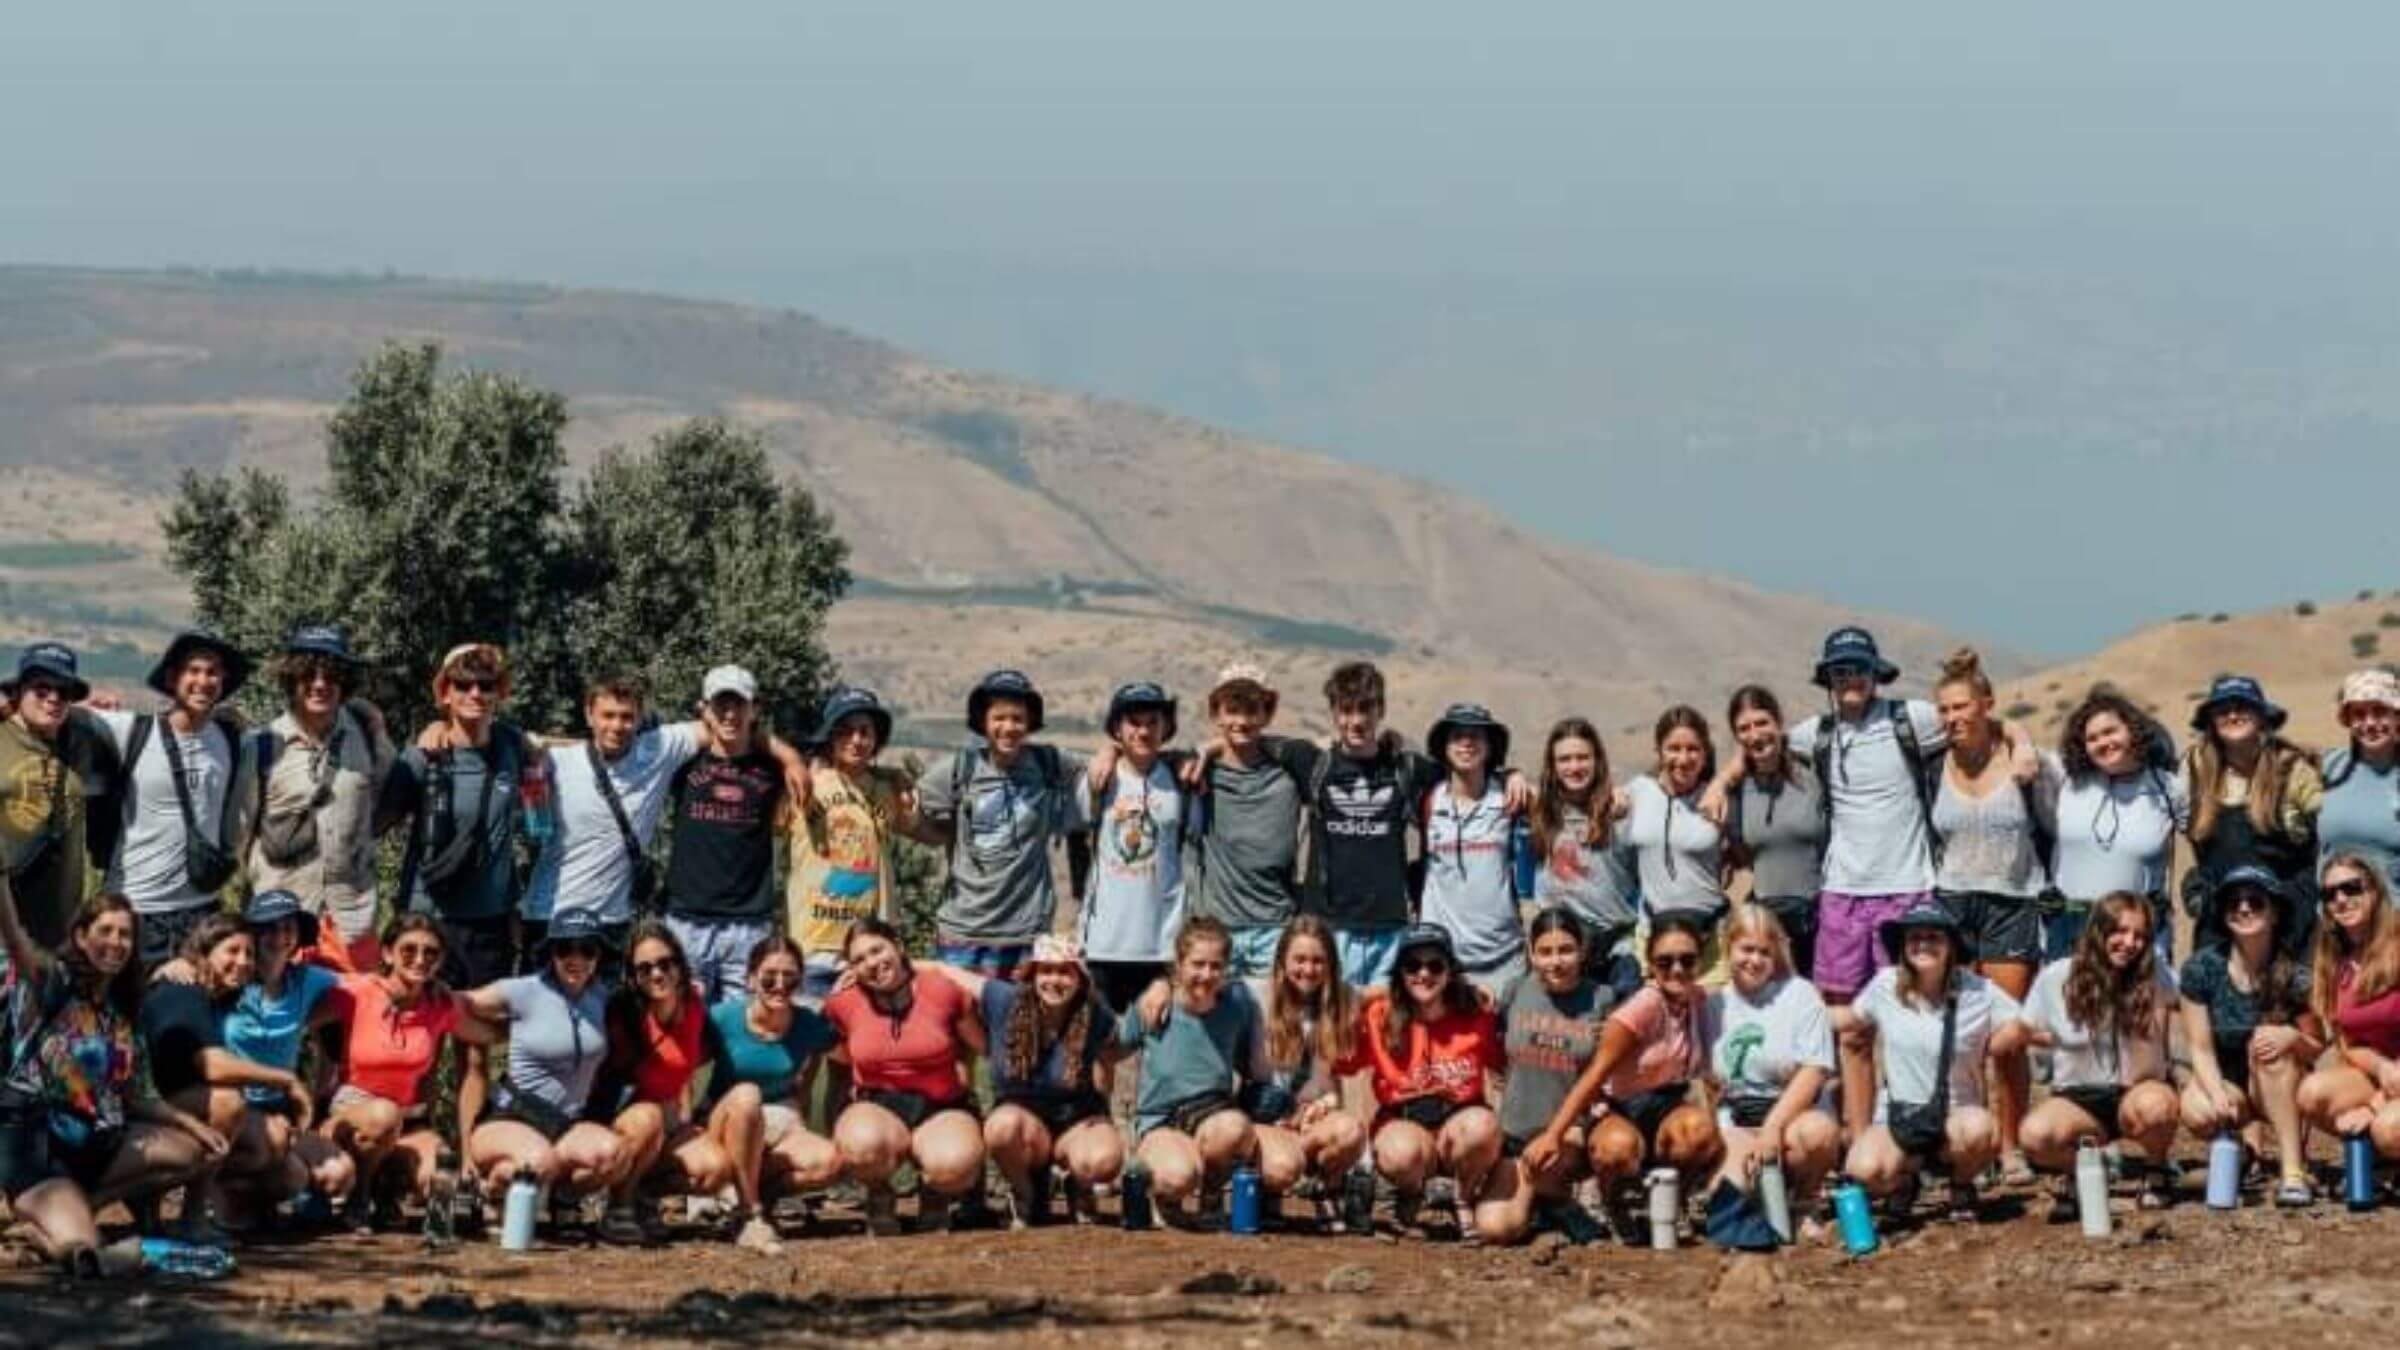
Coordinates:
1998 927
1646 1111
2100 1103
1849 947
1059 1116
1797 916
1120 983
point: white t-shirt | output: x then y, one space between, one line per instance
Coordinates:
1878 845
148 868
1679 855
585 865
2118 834
1134 901
1911 1038
1755 1046
2115 1061
1467 886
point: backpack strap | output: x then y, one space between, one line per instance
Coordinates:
1920 769
143 726
1821 759
962 772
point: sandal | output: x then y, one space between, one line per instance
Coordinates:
2157 1193
2295 1193
2016 1171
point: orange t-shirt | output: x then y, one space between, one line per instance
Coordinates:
920 1054
391 1049
1447 1057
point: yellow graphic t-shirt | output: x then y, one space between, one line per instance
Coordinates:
842 856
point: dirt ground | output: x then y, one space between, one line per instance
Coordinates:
2185 1277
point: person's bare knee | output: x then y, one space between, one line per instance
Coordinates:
1403 1154
1688 1140
1616 1149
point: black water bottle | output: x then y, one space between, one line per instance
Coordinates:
1134 1194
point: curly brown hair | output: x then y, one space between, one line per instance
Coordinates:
2156 747
2102 999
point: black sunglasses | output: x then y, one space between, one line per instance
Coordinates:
2242 900
2351 888
575 947
472 684
1676 961
643 970
1425 965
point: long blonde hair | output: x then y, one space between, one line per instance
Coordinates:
1336 1007
2204 767
2376 961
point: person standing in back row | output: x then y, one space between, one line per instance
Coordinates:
842 835
2255 796
721 853
1135 807
323 763
1470 886
185 796
996 806
1246 831
51 762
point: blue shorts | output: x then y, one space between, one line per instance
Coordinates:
1254 951
1368 954
718 951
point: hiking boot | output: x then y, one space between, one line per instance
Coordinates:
621 1227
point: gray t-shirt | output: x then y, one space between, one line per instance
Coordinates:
1247 844
1467 885
1550 1039
1879 845
1783 828
1678 852
1988 841
1598 884
149 868
1194 1055
999 888
555 1045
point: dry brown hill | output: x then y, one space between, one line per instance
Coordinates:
989 520
2301 657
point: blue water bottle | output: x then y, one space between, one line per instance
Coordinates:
2225 1171
1243 1216
1856 1218
186 1260
2358 1172
1520 857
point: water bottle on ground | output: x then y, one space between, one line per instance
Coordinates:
1134 1196
1358 1200
1666 1206
1775 1197
1244 1209
441 1209
1856 1217
518 1213
2358 1172
2225 1171
2091 1188
186 1260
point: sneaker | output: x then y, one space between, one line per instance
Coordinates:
621 1227
2295 1193
758 1238
1964 1206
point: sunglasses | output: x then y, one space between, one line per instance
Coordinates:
576 947
40 689
778 979
1685 961
473 685
2351 888
416 954
1435 966
643 970
2242 901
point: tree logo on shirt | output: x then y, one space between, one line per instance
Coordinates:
1745 1040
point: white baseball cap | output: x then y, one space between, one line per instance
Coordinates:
729 680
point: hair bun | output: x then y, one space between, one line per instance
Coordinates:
1963 664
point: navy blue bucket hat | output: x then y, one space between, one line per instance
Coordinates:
1922 914
268 908
53 660
1014 684
574 925
1852 647
2237 691
1134 697
328 640
1460 717
191 643
847 701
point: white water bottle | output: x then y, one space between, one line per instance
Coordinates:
517 1214
1775 1196
2091 1188
1666 1207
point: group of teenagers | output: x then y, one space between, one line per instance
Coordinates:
1842 946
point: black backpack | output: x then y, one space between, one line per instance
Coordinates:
1054 777
1920 768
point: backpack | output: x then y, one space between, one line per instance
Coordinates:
1904 730
209 861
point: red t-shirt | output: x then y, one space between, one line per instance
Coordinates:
391 1049
2374 1024
665 1058
919 1055
1447 1057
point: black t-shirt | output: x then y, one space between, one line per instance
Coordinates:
1358 831
722 859
177 1024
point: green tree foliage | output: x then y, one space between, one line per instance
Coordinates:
446 519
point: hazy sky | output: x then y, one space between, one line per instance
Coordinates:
1786 290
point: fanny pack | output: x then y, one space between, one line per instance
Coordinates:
541 1115
289 836
1749 1112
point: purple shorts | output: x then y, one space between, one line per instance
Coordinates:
1849 950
